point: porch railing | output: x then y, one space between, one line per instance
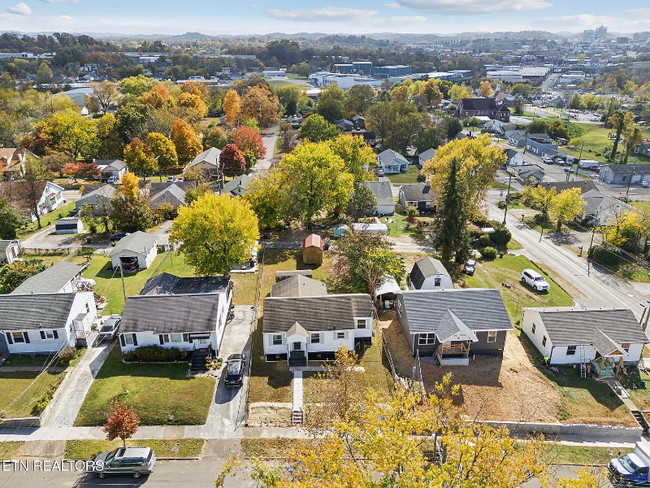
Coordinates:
444 349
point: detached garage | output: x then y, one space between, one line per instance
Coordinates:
69 226
134 252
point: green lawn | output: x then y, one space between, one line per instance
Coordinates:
596 139
8 449
164 448
400 224
161 394
411 176
640 394
295 76
13 384
47 219
582 455
492 274
497 185
244 288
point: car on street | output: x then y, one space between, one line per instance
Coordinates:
170 179
547 160
380 172
535 280
117 236
234 375
180 179
111 180
568 169
136 461
470 267
109 328
560 161
644 183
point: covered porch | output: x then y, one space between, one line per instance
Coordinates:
455 341
609 356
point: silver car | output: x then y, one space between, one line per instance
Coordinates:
108 330
136 461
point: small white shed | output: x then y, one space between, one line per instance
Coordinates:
135 251
69 226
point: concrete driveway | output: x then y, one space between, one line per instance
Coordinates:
268 138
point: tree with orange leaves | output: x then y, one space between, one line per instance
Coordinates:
260 104
232 107
122 422
188 145
158 97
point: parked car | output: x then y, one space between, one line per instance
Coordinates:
136 461
595 118
547 160
180 179
109 329
380 172
117 236
235 370
644 183
535 280
470 267
560 161
111 180
170 179
569 169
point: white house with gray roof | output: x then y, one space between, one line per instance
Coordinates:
603 337
135 251
61 277
452 325
9 251
237 186
425 156
112 167
208 161
429 274
45 323
315 327
392 162
170 311
383 193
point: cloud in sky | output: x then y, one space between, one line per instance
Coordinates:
325 14
472 7
627 21
20 9
61 1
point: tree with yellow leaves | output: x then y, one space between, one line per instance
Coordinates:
187 143
567 205
624 226
400 93
478 162
260 104
158 97
193 104
232 107
539 198
485 89
459 92
431 92
620 122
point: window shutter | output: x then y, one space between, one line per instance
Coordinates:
56 334
42 335
160 338
187 338
135 339
26 335
166 337
9 338
122 341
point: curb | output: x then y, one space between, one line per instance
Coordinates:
157 459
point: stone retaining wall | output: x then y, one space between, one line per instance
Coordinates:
620 434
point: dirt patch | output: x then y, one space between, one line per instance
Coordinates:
269 414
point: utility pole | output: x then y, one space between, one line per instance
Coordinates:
505 212
593 232
630 182
122 276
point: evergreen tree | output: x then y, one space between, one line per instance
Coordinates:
451 221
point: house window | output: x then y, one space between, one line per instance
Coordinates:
177 337
626 346
362 323
492 336
314 338
533 329
340 335
544 341
437 281
276 340
426 339
571 350
49 334
128 338
18 337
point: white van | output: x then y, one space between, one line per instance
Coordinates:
588 164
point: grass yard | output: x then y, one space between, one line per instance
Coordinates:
161 394
400 225
46 220
244 288
14 384
596 140
8 449
492 274
411 176
270 381
164 448
497 185
109 283
638 275
582 455
640 394
287 260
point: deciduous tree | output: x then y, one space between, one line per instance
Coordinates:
249 142
215 137
400 93
104 94
187 143
232 161
459 92
136 86
130 208
317 129
232 107
362 202
331 103
358 99
619 122
567 205
194 104
261 105
122 422
356 155
139 158
633 137
431 92
162 150
485 89
266 196
10 220
216 233
13 274
158 97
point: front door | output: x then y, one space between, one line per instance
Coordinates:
297 346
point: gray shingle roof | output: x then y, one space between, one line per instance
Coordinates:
427 155
450 325
603 343
598 202
425 268
172 194
169 284
171 313
35 311
391 156
330 312
478 104
210 156
575 327
382 192
626 169
299 286
479 309
418 192
283 275
107 191
138 242
114 164
585 186
239 181
49 281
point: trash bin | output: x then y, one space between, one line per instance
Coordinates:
88 240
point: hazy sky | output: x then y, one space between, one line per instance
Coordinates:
333 16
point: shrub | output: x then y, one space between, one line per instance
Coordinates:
67 354
155 353
488 253
501 236
484 240
605 256
41 404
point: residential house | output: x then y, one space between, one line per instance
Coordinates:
418 195
186 313
237 186
540 138
12 162
45 323
61 277
604 339
9 251
315 327
207 161
112 167
584 185
601 209
493 127
18 193
134 252
528 174
312 249
539 143
487 107
359 122
454 324
429 274
172 194
98 196
425 156
392 162
514 158
383 193
624 174
298 285
642 149
345 124
69 226
517 140
285 275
